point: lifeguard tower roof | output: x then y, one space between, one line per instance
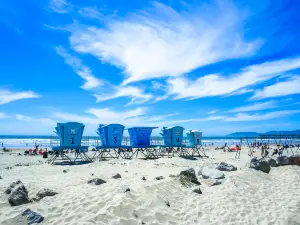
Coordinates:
141 127
113 124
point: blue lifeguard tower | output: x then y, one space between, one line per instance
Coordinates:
111 137
173 136
70 136
140 136
194 137
140 139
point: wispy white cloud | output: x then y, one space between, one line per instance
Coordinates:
260 117
136 94
218 85
90 12
3 115
212 112
257 106
105 115
134 117
43 121
7 96
83 71
160 41
289 87
59 6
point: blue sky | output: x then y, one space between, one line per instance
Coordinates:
218 66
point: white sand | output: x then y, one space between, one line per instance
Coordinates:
246 196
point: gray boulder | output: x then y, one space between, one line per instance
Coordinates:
189 175
254 163
295 160
197 191
264 166
260 164
45 193
272 162
159 178
96 181
283 161
209 172
117 176
226 167
19 195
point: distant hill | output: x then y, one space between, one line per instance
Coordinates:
243 134
283 132
255 134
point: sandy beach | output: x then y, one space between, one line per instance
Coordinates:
245 196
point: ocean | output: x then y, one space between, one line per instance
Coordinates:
29 141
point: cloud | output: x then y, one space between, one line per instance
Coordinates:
289 87
212 112
3 115
136 94
260 117
7 96
59 6
105 116
256 106
134 117
90 12
43 121
161 42
218 85
83 71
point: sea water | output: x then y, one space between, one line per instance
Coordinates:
26 142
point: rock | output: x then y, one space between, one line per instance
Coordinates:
11 186
260 164
33 217
254 163
19 154
96 181
128 189
0 177
143 178
283 161
19 195
45 193
191 175
8 168
117 176
198 191
226 167
159 178
65 171
264 166
295 160
272 162
167 203
209 172
212 182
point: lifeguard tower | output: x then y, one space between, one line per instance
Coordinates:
195 144
111 137
194 137
140 140
70 136
173 136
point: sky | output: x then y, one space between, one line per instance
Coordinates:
216 66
